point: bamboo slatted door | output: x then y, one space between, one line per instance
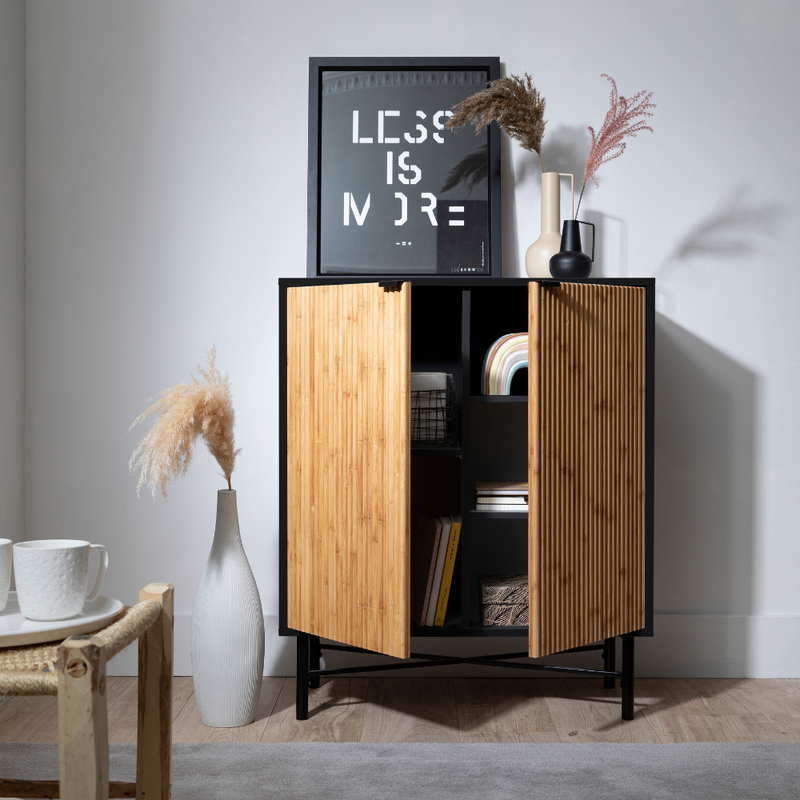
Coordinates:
347 469
586 461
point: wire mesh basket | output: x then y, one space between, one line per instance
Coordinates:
434 416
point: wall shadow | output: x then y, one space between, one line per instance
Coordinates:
705 495
611 246
739 227
735 229
512 268
564 149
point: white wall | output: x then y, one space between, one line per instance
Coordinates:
12 265
166 180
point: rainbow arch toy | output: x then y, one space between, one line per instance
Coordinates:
502 360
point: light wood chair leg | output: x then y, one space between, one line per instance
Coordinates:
82 720
154 741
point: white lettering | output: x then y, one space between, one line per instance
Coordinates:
403 208
350 205
431 207
356 138
440 125
387 139
423 131
406 167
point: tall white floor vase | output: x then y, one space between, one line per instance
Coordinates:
227 628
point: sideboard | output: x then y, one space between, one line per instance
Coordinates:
577 425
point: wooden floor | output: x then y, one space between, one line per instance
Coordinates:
461 710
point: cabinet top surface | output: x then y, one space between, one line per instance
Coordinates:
426 280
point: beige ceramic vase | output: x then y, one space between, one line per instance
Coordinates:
537 257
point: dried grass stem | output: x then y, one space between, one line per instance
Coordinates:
624 118
184 412
514 104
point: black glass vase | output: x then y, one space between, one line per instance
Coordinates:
571 261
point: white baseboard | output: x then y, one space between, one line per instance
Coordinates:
702 645
721 646
279 656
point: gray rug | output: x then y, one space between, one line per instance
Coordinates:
326 771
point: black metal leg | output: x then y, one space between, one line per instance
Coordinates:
627 677
302 677
316 655
609 660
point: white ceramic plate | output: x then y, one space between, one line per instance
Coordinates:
16 630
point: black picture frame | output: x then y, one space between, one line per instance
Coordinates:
471 250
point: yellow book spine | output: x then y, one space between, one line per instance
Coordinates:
447 572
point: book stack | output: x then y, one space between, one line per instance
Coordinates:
433 556
501 496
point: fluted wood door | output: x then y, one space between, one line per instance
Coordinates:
585 464
348 373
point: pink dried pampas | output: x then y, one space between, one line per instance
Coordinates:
624 118
186 411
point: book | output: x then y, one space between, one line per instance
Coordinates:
424 551
501 488
518 500
437 573
503 507
447 572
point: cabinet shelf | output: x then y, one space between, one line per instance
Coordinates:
456 629
498 514
427 450
499 398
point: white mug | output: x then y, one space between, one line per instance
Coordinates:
5 571
51 577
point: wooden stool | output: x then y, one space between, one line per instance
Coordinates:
79 680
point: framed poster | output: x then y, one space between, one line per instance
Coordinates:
391 192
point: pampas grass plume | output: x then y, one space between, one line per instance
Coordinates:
514 103
624 118
184 412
